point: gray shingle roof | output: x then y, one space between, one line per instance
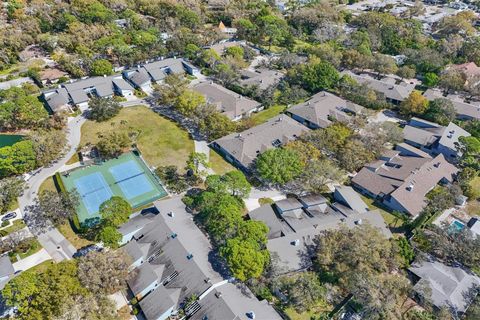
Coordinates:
139 77
450 286
247 145
56 99
263 78
158 70
384 176
324 106
388 86
411 193
463 109
351 198
230 103
266 215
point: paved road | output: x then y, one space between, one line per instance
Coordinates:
52 240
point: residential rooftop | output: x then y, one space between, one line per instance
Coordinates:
322 109
394 90
233 105
243 148
451 287
465 110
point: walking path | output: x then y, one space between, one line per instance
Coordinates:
31 261
52 240
202 147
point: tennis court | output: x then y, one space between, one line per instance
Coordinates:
126 176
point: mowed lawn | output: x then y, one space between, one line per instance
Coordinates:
161 141
264 115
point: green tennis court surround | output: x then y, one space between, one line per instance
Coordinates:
126 176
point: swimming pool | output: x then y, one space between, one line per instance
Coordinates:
456 226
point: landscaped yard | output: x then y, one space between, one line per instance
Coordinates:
71 236
161 141
264 115
390 219
16 225
307 315
218 164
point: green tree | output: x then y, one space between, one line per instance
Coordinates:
115 211
188 101
109 236
279 165
48 145
233 182
414 104
440 111
104 272
101 67
244 258
361 261
212 123
470 148
315 76
36 295
273 30
405 251
173 86
302 290
17 159
10 190
197 163
103 109
57 207
452 80
431 79
236 52
406 72
316 175
113 144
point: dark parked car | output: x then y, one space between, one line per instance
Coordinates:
85 250
9 216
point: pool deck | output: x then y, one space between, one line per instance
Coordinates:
113 184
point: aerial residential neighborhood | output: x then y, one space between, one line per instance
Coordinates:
240 160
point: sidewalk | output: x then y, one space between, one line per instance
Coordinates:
31 261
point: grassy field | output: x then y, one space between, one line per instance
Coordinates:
71 236
218 164
161 141
389 218
17 225
307 315
47 184
264 115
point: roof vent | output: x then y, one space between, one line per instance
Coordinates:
436 165
251 315
171 214
410 187
358 222
218 294
190 256
207 280
295 242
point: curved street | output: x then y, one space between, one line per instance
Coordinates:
52 240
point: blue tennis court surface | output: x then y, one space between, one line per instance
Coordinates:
125 170
130 177
93 190
126 176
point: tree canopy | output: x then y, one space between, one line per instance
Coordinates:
279 165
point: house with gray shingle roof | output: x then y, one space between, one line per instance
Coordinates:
434 138
445 286
79 92
241 149
394 90
165 274
465 110
231 104
322 109
401 181
143 76
261 78
295 223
